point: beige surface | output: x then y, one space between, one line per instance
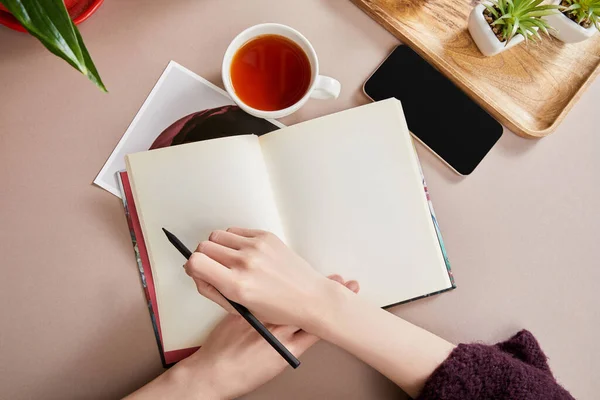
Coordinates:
521 231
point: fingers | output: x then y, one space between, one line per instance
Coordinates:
337 278
201 267
221 254
248 233
207 290
229 239
353 286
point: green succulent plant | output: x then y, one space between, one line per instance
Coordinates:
585 12
520 16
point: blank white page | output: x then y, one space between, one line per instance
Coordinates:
191 190
351 200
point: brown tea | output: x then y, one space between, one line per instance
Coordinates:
270 73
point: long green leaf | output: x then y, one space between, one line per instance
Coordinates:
545 7
49 21
491 10
536 3
541 13
541 25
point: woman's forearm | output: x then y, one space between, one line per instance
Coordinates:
180 382
256 269
190 379
403 352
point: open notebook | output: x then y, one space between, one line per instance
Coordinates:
345 191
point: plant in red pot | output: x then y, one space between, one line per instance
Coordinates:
79 11
53 22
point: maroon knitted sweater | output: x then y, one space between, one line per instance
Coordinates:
513 370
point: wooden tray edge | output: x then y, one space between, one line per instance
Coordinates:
477 95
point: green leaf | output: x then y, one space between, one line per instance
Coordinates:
541 24
48 21
536 3
545 7
541 13
513 31
529 31
491 10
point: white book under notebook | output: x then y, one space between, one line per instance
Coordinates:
344 191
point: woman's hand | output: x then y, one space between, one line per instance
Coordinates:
236 360
233 361
258 270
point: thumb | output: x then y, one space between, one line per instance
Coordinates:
210 292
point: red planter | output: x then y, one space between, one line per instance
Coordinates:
79 10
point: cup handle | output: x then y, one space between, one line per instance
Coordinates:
326 88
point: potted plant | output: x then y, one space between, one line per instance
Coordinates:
577 20
50 23
497 25
79 11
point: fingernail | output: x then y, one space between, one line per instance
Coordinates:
353 285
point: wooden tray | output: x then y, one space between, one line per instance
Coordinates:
529 89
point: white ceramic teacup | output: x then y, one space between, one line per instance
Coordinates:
320 87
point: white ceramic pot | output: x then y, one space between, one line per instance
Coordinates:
483 35
567 30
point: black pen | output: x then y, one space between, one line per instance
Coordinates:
244 312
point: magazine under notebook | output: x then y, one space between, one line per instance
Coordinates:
345 191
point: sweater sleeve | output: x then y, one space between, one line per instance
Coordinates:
513 370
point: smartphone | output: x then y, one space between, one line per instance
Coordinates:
438 114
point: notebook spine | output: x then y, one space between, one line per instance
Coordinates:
140 266
435 223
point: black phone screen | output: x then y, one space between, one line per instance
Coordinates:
437 112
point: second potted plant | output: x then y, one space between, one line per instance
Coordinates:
577 20
497 25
